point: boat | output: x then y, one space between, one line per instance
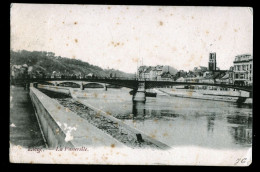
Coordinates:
150 94
147 94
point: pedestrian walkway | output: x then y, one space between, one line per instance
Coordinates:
24 128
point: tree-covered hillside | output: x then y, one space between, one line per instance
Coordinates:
47 62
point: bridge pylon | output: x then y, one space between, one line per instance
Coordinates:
82 86
139 96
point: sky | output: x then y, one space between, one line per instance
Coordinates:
125 37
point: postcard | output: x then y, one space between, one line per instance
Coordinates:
131 85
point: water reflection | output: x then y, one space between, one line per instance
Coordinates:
138 110
142 110
210 120
243 105
179 121
215 128
242 130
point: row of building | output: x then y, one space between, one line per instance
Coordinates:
241 73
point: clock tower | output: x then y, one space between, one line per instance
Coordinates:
212 62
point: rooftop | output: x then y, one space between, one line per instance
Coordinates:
243 58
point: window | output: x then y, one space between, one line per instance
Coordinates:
236 76
241 76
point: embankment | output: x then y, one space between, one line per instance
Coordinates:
215 96
106 122
61 127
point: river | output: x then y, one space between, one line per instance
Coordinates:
178 121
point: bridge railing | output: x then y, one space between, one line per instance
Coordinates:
84 78
107 79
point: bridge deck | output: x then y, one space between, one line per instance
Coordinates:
133 83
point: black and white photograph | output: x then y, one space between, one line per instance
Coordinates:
131 84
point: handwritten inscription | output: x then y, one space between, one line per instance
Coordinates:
241 160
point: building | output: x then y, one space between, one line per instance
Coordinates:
144 72
190 74
159 70
224 79
140 72
156 73
147 73
150 72
243 70
55 74
212 62
166 76
181 79
181 73
91 75
199 71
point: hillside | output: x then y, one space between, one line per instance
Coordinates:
47 62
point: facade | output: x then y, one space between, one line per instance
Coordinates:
150 72
212 62
243 70
153 73
159 72
147 73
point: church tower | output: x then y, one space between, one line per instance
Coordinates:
212 62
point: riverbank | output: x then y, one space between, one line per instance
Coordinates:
104 121
215 95
193 128
172 115
24 127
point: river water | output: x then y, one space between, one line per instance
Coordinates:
178 121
